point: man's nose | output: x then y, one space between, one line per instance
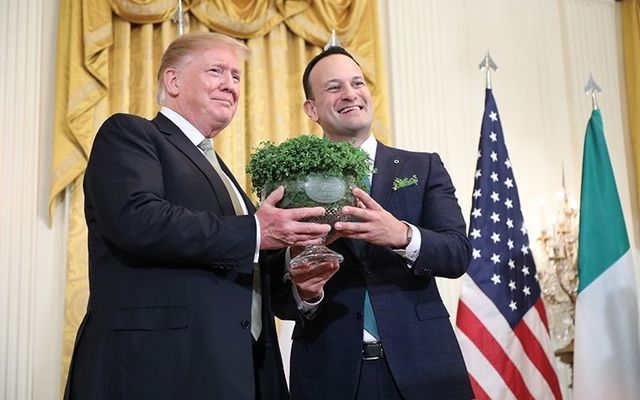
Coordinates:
228 83
348 93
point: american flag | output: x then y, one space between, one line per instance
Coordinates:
501 323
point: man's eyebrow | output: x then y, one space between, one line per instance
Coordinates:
338 80
332 80
225 66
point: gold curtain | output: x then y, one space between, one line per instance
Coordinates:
631 43
108 54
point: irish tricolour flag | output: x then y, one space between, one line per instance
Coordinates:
607 341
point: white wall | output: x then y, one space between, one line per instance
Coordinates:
31 253
545 50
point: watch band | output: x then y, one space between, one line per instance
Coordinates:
409 234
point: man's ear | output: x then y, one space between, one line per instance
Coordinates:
310 109
171 85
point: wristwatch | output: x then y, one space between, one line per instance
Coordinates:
409 234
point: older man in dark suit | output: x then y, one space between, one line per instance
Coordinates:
179 307
378 328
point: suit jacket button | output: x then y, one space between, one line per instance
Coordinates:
358 315
245 324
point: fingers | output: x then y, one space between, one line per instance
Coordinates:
307 276
306 230
359 213
365 199
332 237
275 196
301 233
300 213
308 242
349 228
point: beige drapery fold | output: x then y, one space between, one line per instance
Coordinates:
108 55
631 43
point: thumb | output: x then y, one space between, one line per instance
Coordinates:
275 196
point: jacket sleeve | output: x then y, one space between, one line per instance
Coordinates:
126 200
445 249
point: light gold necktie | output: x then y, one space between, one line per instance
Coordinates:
256 299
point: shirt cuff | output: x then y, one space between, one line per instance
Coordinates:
256 255
306 307
412 251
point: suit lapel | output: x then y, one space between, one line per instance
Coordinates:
247 201
184 145
388 165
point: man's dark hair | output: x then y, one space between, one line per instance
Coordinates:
325 53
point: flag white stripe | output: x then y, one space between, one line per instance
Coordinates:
534 322
482 371
607 343
487 312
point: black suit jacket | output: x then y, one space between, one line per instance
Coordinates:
418 339
170 275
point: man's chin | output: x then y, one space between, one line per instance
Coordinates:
349 135
223 114
355 128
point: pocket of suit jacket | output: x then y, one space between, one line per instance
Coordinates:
152 349
151 318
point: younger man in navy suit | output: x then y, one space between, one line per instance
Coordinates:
375 327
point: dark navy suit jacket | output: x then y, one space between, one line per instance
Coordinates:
170 275
419 343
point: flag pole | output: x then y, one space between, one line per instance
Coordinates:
178 18
487 64
500 295
592 88
333 40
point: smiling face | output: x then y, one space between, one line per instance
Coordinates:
341 102
205 88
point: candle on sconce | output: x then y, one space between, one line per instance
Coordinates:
543 216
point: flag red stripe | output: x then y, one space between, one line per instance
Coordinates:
478 392
542 313
537 355
477 332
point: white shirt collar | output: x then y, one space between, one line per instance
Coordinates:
194 135
370 146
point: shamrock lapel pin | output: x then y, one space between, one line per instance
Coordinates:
400 183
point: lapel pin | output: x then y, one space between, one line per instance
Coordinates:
400 183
